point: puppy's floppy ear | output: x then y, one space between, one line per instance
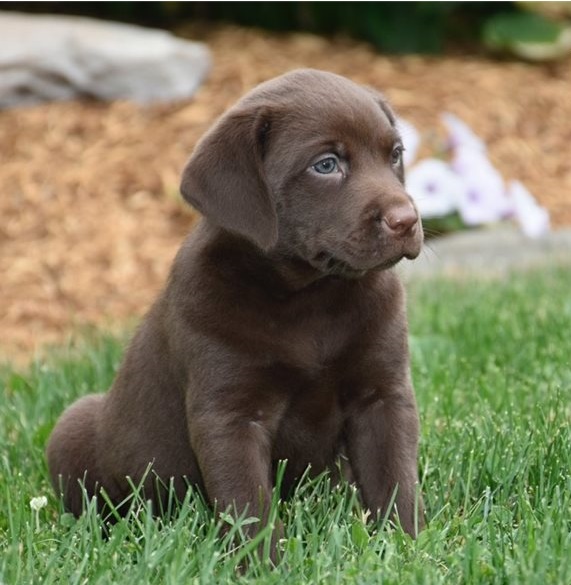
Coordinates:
383 104
224 178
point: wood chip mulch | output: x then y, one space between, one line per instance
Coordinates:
90 215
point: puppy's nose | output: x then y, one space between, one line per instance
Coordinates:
400 220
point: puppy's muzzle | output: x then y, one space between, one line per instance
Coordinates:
402 226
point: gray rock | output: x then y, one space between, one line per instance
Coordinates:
488 253
44 58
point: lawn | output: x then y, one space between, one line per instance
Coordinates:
492 371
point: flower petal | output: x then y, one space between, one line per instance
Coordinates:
460 134
435 189
531 217
483 198
38 503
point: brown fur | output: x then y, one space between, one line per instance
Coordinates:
282 331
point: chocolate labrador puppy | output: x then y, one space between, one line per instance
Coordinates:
281 333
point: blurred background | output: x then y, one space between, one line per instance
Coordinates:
91 216
395 27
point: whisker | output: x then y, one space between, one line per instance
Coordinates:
432 232
433 253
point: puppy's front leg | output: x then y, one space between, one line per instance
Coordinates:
233 454
381 443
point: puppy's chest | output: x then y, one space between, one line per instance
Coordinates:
314 372
313 343
327 366
309 368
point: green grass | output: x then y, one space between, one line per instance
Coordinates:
492 370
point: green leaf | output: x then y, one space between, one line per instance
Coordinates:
504 30
67 520
359 534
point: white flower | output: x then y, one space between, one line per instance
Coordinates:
483 198
469 184
532 218
435 189
410 139
36 504
460 134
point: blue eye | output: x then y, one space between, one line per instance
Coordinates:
326 166
396 155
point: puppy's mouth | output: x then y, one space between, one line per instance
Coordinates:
331 265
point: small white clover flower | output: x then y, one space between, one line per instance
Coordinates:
37 503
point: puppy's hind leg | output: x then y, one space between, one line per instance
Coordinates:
71 453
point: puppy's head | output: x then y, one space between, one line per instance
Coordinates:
310 166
